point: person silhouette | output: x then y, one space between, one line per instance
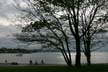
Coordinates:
42 62
5 61
30 62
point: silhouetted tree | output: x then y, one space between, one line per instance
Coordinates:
49 35
67 22
58 20
94 22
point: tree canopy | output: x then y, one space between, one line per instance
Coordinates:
56 22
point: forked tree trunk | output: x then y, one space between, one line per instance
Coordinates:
88 57
78 54
66 58
88 53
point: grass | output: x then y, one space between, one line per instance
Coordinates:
92 68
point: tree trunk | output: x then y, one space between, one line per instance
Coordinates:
66 58
70 63
78 53
88 57
88 53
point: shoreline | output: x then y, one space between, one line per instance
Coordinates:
9 64
25 65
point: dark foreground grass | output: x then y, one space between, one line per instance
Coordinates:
93 68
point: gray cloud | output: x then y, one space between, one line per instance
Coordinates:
7 11
6 36
8 40
7 14
6 7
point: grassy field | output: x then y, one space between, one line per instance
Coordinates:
93 68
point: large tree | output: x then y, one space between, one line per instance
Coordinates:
49 35
64 14
55 21
94 22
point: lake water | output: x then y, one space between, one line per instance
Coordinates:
51 58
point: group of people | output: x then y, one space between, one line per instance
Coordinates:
31 62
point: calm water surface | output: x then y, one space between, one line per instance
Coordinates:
51 58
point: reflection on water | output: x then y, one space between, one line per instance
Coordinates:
51 58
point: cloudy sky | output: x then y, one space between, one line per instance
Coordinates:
8 20
7 23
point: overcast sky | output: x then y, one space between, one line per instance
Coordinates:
7 11
7 21
7 24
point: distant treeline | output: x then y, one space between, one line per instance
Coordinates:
15 50
20 50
